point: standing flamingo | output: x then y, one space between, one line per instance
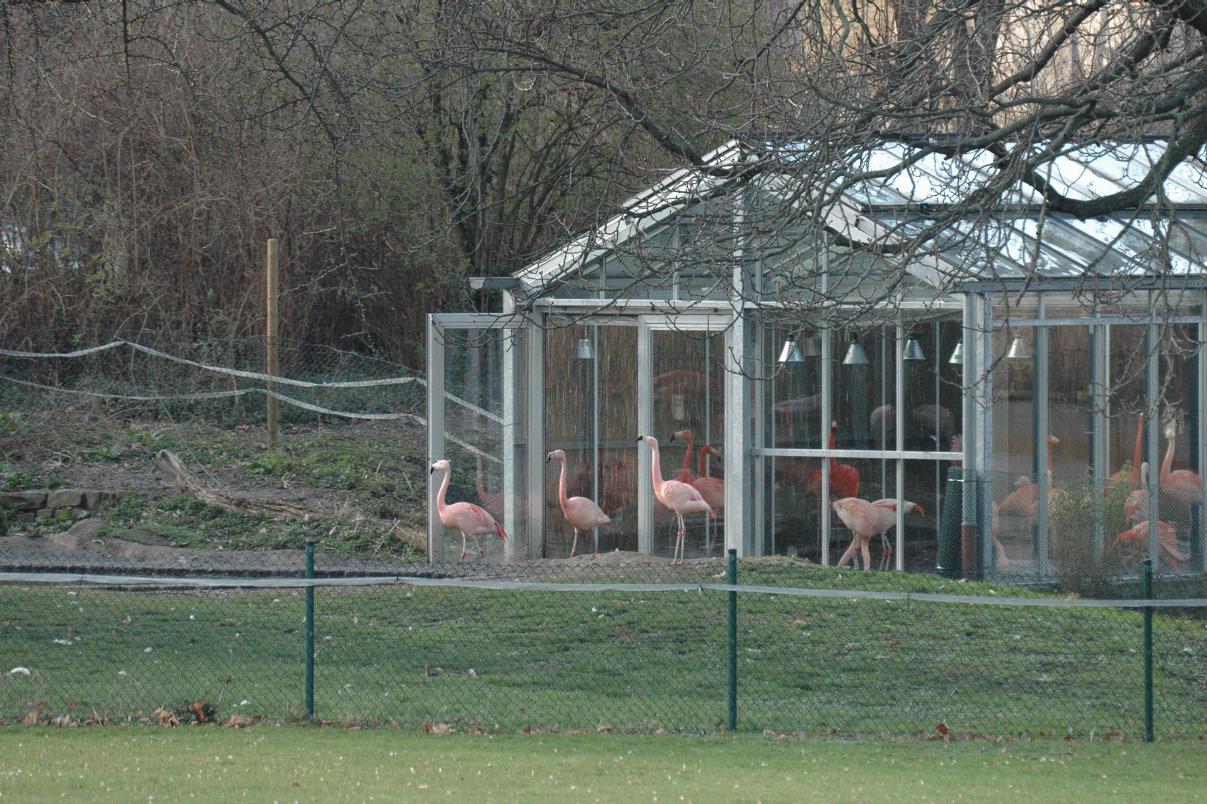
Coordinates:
1132 473
470 519
685 475
867 519
712 489
1024 500
678 497
580 512
844 478
1182 485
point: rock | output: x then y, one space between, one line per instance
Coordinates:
65 498
22 500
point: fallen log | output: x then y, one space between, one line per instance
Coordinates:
171 467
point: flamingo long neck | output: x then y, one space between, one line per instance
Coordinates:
833 445
1167 464
481 480
1138 453
440 504
1049 451
705 451
657 465
687 456
562 500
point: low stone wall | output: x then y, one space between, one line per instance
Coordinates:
76 503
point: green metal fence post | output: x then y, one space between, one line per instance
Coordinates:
733 642
1148 652
309 632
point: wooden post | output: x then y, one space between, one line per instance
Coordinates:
273 366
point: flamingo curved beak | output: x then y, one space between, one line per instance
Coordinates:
919 510
431 470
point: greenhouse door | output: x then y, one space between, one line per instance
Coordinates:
478 421
681 401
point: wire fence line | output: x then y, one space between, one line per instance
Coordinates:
626 647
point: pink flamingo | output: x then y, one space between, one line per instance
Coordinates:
472 520
1132 473
844 478
685 475
678 497
1135 507
1024 500
867 519
580 512
1167 541
1182 485
491 502
712 489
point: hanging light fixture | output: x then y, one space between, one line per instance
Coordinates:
855 354
1019 349
913 349
790 353
584 350
957 354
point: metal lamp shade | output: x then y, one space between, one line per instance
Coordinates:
855 354
790 353
957 354
584 350
913 349
1019 349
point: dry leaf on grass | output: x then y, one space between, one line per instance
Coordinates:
242 721
164 717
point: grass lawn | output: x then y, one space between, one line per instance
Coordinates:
294 763
635 662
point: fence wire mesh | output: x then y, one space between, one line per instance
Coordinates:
559 653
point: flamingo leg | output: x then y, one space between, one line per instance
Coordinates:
887 555
574 545
681 543
849 555
595 537
462 546
867 553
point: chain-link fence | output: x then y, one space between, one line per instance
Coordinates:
606 643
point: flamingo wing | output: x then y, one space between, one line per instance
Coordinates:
583 514
681 497
469 519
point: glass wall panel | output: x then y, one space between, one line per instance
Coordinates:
1012 478
862 381
792 395
591 414
932 392
618 436
478 363
1180 478
793 511
689 422
923 523
1070 403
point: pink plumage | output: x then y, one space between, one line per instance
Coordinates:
472 520
867 519
580 512
1182 485
676 496
685 474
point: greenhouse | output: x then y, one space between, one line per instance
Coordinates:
1023 394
